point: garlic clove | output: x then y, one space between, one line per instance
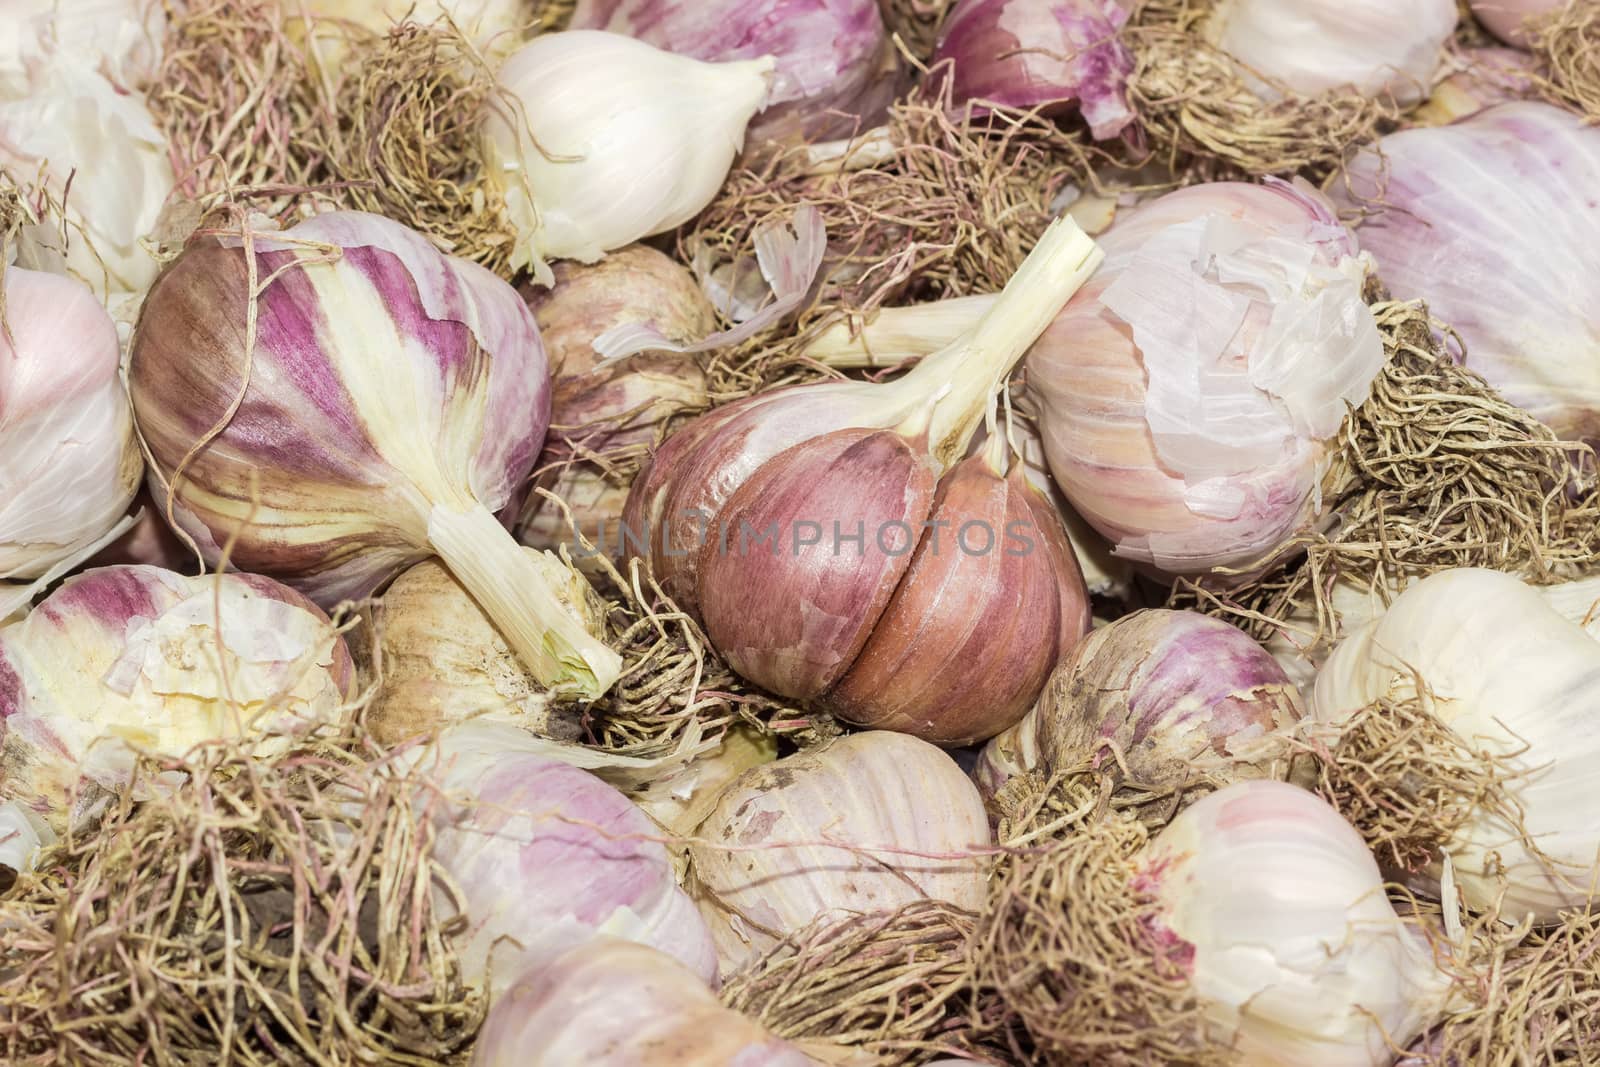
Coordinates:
836 519
974 627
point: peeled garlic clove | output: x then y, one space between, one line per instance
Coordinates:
830 80
908 826
69 462
807 553
1292 947
611 1003
1026 53
1526 300
976 624
441 661
1173 696
1374 47
137 655
392 402
546 856
1505 18
612 140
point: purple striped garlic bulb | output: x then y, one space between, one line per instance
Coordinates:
1468 229
1064 54
835 70
864 823
548 856
611 1003
395 399
1174 696
69 462
138 657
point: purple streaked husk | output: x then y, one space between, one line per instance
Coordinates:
834 65
1027 53
1175 694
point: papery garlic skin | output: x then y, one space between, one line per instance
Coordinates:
1189 393
105 142
1506 19
611 1003
1526 300
1027 53
396 398
69 462
1175 697
122 39
441 661
135 656
1376 47
613 141
1512 675
830 80
1484 77
1297 955
908 823
547 856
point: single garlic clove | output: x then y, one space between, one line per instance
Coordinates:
807 553
974 627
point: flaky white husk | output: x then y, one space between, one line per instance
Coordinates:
120 38
138 657
69 463
908 823
613 141
69 124
1376 46
1511 675
1297 955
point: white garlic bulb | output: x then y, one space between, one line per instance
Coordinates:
1376 47
614 140
120 38
1297 955
84 130
1510 674
69 462
908 823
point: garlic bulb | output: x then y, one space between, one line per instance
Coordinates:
831 78
610 407
680 800
393 401
610 1003
139 656
105 143
612 140
826 493
547 856
908 825
1525 300
1027 53
1173 696
1375 47
149 541
1483 78
122 39
1295 952
441 661
1506 18
1510 674
69 462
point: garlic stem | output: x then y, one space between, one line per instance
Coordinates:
897 334
507 583
975 364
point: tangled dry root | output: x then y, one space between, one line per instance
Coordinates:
1076 950
1569 43
916 22
929 206
254 913
1409 783
900 985
1203 120
1436 470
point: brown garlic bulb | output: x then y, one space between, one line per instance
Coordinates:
611 410
441 661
